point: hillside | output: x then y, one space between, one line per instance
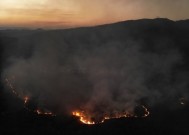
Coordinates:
100 69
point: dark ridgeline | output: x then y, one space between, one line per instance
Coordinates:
161 45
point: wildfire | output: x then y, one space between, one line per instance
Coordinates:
86 119
26 100
83 118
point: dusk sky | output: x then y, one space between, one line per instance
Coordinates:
73 13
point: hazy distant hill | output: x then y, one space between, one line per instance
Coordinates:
145 30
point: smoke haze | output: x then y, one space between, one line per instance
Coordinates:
100 69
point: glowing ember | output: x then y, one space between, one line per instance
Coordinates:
26 100
10 85
146 113
40 112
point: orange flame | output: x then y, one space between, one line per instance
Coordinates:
85 118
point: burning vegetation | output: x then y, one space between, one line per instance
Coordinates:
87 118
26 100
84 116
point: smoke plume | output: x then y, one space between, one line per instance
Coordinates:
105 68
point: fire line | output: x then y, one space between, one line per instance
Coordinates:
82 115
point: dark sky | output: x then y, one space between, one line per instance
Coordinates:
70 13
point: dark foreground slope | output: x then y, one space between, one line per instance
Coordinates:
160 43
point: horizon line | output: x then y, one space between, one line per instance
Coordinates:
80 26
